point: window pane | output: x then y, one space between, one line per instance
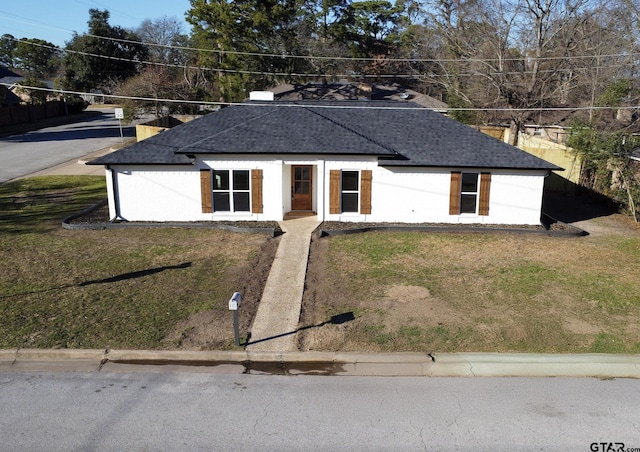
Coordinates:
350 180
469 182
220 180
241 202
302 188
468 204
305 173
297 173
221 202
241 180
350 202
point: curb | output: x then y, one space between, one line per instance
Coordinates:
326 363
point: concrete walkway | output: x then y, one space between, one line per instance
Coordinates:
276 321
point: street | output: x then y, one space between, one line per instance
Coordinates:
64 411
27 153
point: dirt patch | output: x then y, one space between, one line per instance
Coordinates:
616 224
578 326
408 302
208 330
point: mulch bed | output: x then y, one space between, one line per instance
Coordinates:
99 216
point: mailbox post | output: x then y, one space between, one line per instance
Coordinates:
234 305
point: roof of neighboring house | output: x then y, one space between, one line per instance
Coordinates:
7 97
7 79
7 76
355 91
398 133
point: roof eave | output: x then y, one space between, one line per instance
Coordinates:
384 163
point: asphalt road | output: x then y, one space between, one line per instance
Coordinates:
193 411
30 152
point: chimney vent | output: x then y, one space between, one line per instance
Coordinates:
261 95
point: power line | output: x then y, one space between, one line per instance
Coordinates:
630 55
307 75
393 60
294 105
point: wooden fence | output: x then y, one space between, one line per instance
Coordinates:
21 114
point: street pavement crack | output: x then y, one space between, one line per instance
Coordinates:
424 445
265 413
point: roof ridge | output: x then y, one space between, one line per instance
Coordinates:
208 137
355 132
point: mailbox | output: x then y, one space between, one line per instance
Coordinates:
234 301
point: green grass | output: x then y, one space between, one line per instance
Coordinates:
492 292
38 204
106 288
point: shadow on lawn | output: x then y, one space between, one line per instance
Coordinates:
337 319
133 275
111 279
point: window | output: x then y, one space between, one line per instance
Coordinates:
349 191
231 191
469 193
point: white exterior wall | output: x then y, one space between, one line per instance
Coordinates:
157 193
516 198
421 195
407 195
410 195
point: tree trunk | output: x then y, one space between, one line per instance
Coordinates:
514 130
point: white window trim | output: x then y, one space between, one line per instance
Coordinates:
357 192
476 193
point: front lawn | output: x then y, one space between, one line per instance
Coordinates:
116 288
475 292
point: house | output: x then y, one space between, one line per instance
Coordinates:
352 161
8 81
354 91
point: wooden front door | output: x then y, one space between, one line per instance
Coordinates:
301 187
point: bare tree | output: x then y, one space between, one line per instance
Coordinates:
165 39
513 56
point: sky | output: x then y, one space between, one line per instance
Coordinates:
56 20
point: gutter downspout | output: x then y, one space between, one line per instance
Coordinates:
116 202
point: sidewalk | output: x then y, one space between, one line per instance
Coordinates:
278 315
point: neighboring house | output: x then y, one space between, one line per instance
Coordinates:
8 81
352 161
355 91
25 97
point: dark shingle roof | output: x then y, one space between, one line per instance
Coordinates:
399 133
8 76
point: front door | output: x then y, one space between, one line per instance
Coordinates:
301 187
